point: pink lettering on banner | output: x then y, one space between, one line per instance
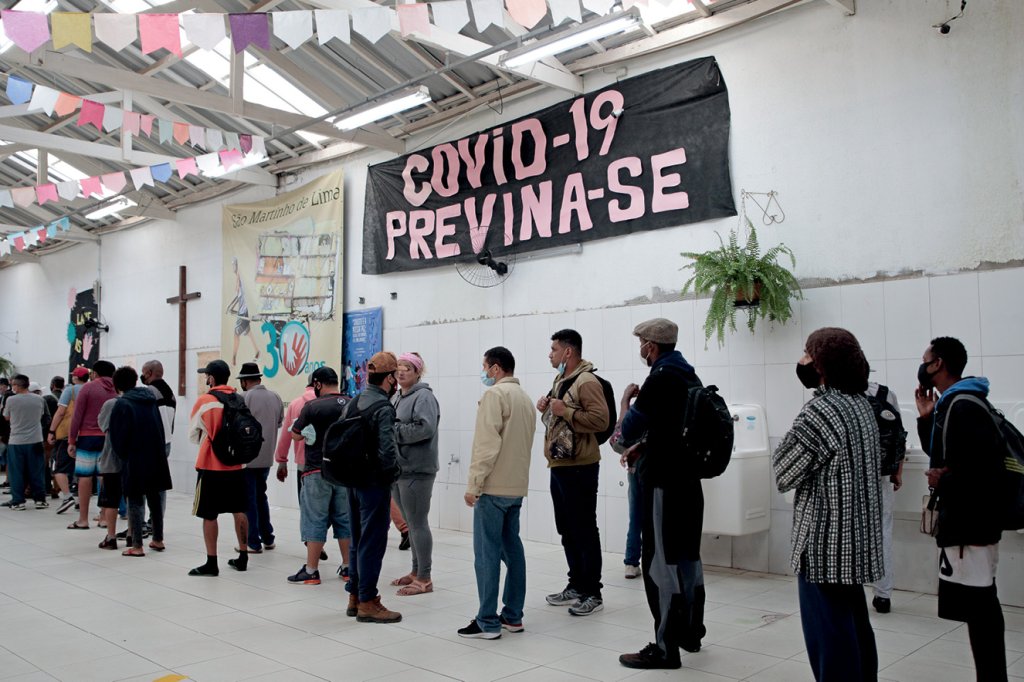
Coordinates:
662 201
474 162
536 210
498 157
574 201
416 197
632 165
606 121
478 226
446 229
394 223
506 202
445 179
421 224
540 146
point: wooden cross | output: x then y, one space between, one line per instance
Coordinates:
181 300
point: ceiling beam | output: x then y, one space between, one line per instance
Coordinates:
21 257
162 89
701 8
848 7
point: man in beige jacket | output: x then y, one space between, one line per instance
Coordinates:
499 475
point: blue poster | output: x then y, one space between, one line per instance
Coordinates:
364 336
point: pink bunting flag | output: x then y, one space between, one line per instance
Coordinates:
114 182
186 167
180 132
160 30
246 143
146 124
41 234
92 112
19 241
251 28
230 158
141 177
527 12
91 187
23 196
47 192
27 30
132 122
416 19
66 104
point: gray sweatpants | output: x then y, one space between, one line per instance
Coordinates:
413 498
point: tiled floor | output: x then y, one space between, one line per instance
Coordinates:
70 611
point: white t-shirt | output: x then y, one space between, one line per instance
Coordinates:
969 565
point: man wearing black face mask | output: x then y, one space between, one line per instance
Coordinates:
322 504
966 453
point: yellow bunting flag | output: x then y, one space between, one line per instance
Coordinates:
72 28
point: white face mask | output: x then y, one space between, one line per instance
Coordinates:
485 379
561 368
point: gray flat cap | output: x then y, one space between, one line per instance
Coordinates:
658 330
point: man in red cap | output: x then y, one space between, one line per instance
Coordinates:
64 466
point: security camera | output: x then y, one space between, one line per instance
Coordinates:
944 29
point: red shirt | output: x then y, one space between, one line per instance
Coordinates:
87 408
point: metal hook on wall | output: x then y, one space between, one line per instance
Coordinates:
771 211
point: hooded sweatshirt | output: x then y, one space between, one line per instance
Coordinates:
87 408
961 436
416 423
137 435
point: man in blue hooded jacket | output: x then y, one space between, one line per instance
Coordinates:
966 451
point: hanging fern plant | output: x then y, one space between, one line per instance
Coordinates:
742 277
7 368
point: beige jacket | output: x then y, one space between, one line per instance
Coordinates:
505 424
585 411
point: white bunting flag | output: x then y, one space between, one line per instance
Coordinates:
204 30
565 9
451 15
208 163
214 139
231 141
5 247
67 190
294 28
43 99
487 12
118 31
259 148
601 7
197 136
6 201
31 238
113 118
141 177
373 23
332 23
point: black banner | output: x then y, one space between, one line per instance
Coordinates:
84 339
648 152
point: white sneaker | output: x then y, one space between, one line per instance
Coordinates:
632 572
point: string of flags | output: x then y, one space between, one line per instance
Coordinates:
30 237
32 30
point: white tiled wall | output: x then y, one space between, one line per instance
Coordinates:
894 320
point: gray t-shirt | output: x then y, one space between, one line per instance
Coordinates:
109 462
25 411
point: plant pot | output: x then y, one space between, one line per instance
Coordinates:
743 302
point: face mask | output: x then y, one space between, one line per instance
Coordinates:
486 380
645 357
926 380
561 368
394 387
808 375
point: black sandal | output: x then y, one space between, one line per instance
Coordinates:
108 543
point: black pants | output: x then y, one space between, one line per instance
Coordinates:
837 632
574 497
370 515
979 608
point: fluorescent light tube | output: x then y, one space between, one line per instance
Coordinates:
574 37
110 209
375 112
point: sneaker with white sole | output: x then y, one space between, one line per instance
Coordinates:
632 572
564 598
42 504
585 607
511 627
473 631
65 504
17 506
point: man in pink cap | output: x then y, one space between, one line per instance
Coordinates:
64 466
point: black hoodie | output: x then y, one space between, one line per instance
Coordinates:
137 435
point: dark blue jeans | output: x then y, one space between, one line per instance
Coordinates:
26 462
370 516
496 539
635 500
261 532
837 631
574 497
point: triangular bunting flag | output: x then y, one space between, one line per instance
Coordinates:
332 23
601 7
245 143
185 167
47 192
6 200
113 117
414 18
565 9
487 12
19 241
67 190
451 15
43 99
197 136
208 163
528 13
27 30
63 224
23 196
230 158
66 104
72 28
118 31
204 30
231 141
214 139
5 247
180 132
30 238
91 187
115 182
251 28
141 177
294 28
259 148
373 23
132 122
160 31
161 172
18 91
51 230
92 112
41 235
146 124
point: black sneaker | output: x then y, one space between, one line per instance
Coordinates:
585 607
65 504
649 658
304 577
511 627
566 597
473 631
124 535
20 506
343 572
42 504
882 604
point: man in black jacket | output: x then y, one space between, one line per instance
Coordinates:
673 498
966 451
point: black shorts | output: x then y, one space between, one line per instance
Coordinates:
62 463
110 493
219 492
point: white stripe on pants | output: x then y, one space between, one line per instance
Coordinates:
883 587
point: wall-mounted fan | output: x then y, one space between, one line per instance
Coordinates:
487 270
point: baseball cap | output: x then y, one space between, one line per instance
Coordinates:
217 368
658 330
383 362
324 375
34 386
80 372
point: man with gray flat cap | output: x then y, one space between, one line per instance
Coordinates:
268 409
673 501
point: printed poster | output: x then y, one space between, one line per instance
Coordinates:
282 284
84 340
364 336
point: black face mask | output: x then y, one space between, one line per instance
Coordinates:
926 379
808 376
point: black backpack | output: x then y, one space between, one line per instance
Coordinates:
350 448
1012 493
609 399
890 430
708 430
240 436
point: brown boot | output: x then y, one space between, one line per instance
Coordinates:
374 612
353 605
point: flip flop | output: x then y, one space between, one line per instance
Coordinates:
153 547
132 551
75 526
416 587
404 580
